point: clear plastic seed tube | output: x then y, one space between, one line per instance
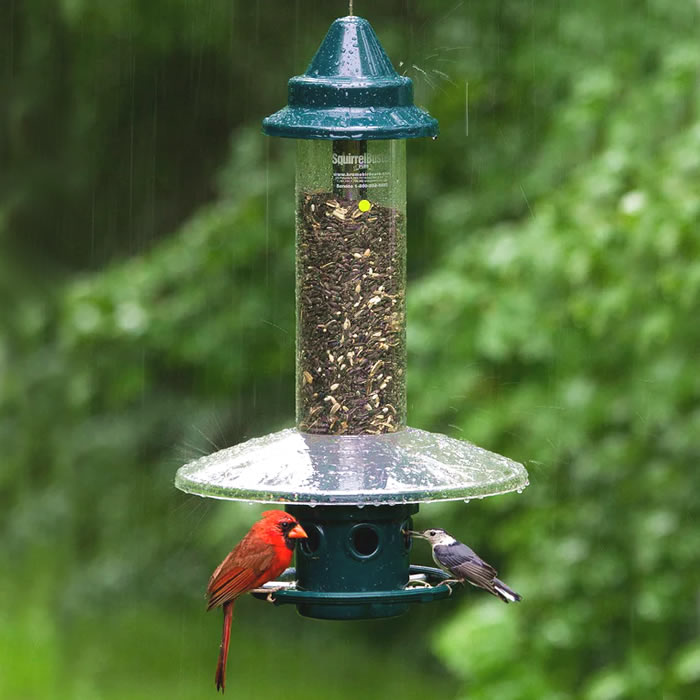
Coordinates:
351 286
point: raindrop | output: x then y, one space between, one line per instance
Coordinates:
519 491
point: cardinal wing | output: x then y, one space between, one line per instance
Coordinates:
241 571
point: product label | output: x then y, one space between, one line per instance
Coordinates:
356 173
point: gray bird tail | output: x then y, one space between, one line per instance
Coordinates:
506 594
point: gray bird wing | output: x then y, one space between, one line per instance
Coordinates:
464 562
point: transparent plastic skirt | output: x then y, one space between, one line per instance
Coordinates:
409 466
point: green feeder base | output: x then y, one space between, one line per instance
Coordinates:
352 550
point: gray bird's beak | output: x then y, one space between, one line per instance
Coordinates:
413 533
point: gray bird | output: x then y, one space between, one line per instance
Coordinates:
463 564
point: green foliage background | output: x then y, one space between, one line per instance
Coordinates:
146 269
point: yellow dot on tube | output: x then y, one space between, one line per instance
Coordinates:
364 205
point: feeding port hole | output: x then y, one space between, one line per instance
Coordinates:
364 540
312 543
407 539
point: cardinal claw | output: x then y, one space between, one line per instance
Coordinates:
271 597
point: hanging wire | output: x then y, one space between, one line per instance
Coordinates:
350 11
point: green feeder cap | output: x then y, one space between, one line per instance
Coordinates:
350 91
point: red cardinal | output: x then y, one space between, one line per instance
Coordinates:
262 555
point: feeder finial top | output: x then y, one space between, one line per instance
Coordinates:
351 50
350 91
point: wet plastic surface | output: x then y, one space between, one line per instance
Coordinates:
350 91
409 466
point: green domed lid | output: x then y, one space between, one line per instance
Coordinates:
350 91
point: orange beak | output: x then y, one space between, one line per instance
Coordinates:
297 533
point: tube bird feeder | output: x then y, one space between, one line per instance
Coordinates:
351 471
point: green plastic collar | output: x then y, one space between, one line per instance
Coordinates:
350 91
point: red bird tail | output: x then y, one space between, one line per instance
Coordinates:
220 677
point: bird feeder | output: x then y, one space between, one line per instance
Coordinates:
351 471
